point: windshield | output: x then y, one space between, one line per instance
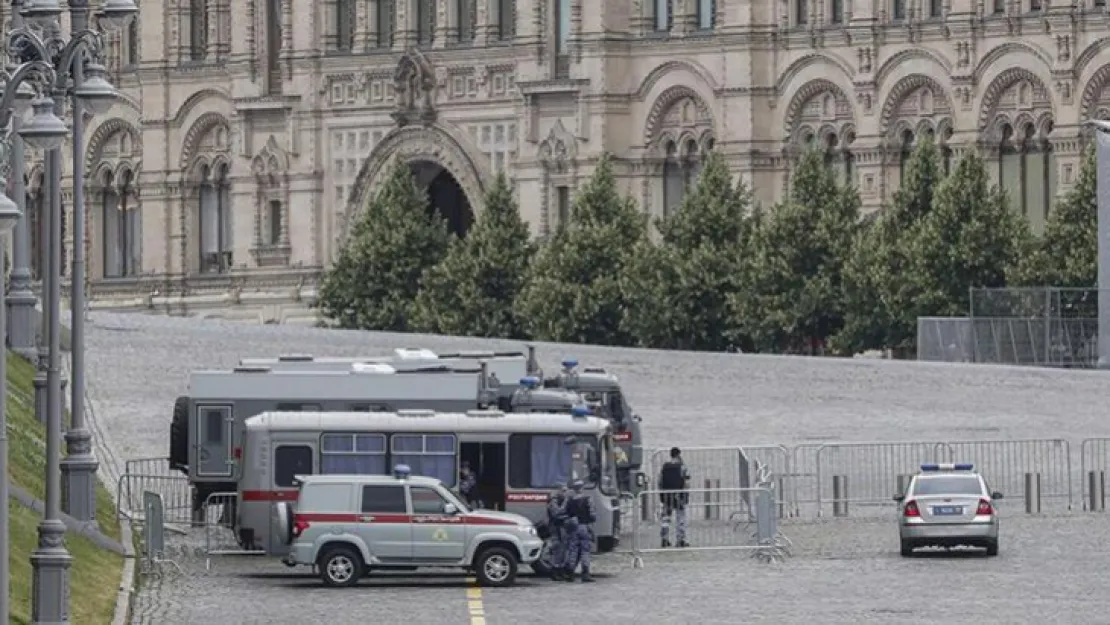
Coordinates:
607 404
592 462
948 485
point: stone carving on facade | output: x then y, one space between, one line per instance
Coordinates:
1063 48
864 60
963 54
414 86
558 149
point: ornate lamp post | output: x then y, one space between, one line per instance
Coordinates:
17 96
41 41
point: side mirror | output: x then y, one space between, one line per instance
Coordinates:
636 418
641 479
899 497
996 495
450 509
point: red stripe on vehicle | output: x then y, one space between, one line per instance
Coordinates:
269 495
419 519
526 497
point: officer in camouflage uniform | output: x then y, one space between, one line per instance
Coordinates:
580 516
557 540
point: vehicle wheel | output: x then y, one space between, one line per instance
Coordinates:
907 549
284 517
341 566
495 567
992 548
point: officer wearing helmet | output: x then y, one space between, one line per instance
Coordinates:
580 516
556 522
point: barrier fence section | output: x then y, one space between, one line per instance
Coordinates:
715 519
1095 463
153 475
153 547
220 520
858 479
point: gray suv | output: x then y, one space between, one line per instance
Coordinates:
348 525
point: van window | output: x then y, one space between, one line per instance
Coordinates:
369 408
539 461
385 499
298 407
426 501
430 455
325 498
291 461
353 454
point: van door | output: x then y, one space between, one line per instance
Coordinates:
384 523
436 536
213 442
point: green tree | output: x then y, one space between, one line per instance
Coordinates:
473 290
971 238
794 296
573 290
377 275
1067 254
877 302
677 292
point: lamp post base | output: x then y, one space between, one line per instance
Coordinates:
50 563
22 318
79 476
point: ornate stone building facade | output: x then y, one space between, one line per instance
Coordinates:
251 132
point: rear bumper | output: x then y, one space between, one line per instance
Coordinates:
949 533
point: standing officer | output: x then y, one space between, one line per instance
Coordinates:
580 515
468 486
557 541
673 484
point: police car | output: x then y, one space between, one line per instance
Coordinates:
948 505
348 525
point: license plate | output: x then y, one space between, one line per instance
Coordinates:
947 510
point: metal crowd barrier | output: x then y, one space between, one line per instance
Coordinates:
1095 464
221 511
859 479
153 547
153 475
716 519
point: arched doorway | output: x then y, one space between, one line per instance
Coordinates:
445 195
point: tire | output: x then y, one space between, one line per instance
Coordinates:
992 548
283 513
495 567
179 436
340 566
907 549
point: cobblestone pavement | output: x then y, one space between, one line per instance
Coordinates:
843 571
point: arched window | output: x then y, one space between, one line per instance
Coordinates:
1027 172
122 228
214 211
673 183
906 151
691 164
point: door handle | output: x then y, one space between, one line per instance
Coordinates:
366 519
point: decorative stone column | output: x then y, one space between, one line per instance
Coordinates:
366 27
447 23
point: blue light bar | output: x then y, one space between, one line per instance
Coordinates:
581 411
948 466
930 467
530 381
966 466
570 363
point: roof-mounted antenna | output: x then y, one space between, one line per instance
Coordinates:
486 394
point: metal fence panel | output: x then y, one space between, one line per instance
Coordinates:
802 480
770 467
1094 465
716 519
154 527
945 339
154 475
220 521
862 478
1034 472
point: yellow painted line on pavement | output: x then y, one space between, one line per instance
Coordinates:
474 602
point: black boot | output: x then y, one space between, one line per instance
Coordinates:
666 543
586 577
568 575
557 575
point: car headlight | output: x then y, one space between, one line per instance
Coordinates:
528 529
